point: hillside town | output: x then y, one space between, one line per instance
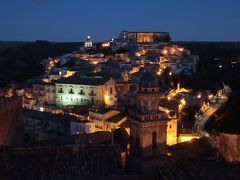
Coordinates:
122 100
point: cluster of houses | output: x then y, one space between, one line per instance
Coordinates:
67 100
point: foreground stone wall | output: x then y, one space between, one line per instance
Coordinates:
11 121
228 147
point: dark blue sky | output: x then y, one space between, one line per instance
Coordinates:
72 20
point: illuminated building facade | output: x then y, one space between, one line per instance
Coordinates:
76 90
148 37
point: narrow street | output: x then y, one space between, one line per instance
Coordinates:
202 119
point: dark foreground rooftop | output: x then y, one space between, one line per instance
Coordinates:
198 169
69 162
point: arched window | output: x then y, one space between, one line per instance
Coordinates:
154 139
71 90
60 89
81 91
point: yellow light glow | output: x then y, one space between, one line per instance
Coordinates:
167 111
159 72
106 99
181 49
169 98
189 137
173 50
106 44
183 102
69 73
170 73
143 51
169 154
199 96
165 51
180 106
137 54
210 96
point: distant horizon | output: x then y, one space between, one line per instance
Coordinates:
197 41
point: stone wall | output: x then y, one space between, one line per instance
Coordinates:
228 147
11 121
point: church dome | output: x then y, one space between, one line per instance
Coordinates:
148 80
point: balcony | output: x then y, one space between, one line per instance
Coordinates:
71 92
81 93
60 91
92 94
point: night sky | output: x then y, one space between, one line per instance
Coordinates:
73 20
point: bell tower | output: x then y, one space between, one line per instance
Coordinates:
148 125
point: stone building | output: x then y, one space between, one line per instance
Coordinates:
148 37
149 125
42 126
106 119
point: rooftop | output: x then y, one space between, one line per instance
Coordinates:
197 169
116 118
46 116
68 162
83 80
148 32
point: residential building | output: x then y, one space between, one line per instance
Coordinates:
178 60
106 119
29 102
85 126
44 93
46 126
